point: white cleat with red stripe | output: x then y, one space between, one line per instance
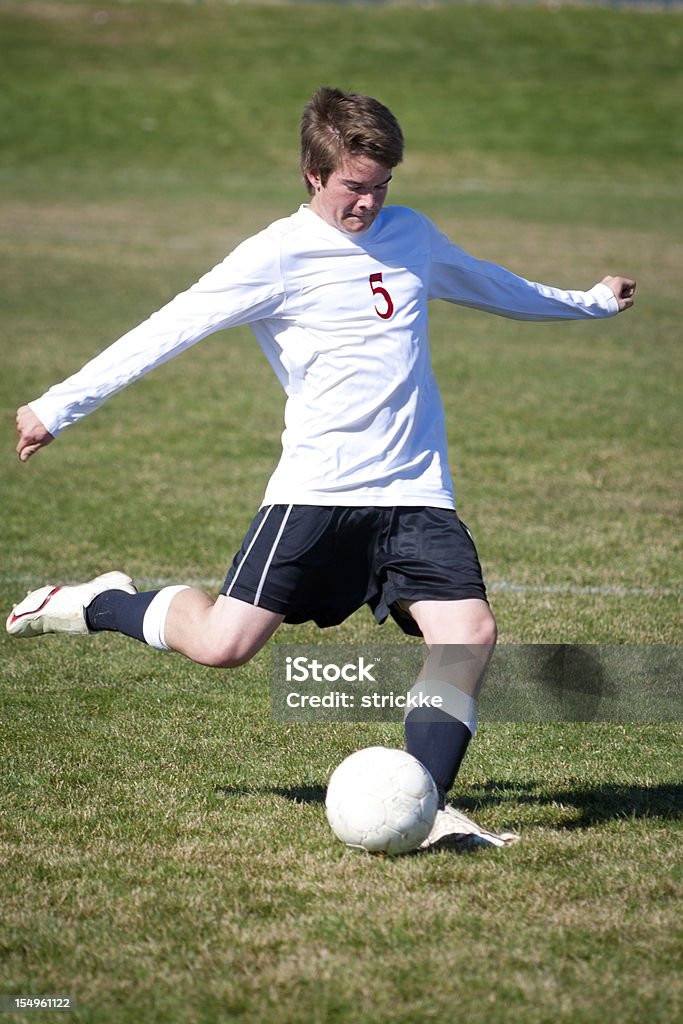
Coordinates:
53 609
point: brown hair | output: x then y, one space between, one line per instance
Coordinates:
335 123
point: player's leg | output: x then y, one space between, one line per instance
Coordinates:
280 571
224 633
460 636
221 632
432 583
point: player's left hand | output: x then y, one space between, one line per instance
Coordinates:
624 290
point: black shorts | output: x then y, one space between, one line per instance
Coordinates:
312 562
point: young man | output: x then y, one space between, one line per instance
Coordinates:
336 295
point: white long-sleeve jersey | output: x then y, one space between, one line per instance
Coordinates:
343 322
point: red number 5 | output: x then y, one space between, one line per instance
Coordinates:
377 289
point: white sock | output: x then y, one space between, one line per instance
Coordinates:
454 702
154 622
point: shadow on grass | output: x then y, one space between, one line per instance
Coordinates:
594 804
298 794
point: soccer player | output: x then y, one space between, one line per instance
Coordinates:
360 508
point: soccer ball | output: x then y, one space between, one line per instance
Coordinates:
381 800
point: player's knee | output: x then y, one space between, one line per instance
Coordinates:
486 630
481 629
226 653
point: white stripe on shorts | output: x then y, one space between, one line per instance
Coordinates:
246 553
271 555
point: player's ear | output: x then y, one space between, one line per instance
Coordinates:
314 180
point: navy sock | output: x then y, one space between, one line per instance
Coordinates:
440 743
119 612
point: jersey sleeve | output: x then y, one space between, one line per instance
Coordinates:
245 287
458 277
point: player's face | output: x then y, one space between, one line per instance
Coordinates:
353 194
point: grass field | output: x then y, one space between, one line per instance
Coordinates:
164 852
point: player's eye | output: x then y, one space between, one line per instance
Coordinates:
362 190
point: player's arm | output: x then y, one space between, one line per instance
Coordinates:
478 284
459 277
33 434
242 289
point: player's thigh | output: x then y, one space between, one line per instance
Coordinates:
461 636
465 621
237 630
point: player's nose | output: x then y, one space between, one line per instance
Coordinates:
367 200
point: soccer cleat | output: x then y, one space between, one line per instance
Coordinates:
452 826
61 609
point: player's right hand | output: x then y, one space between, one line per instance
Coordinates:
32 433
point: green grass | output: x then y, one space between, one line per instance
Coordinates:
163 849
